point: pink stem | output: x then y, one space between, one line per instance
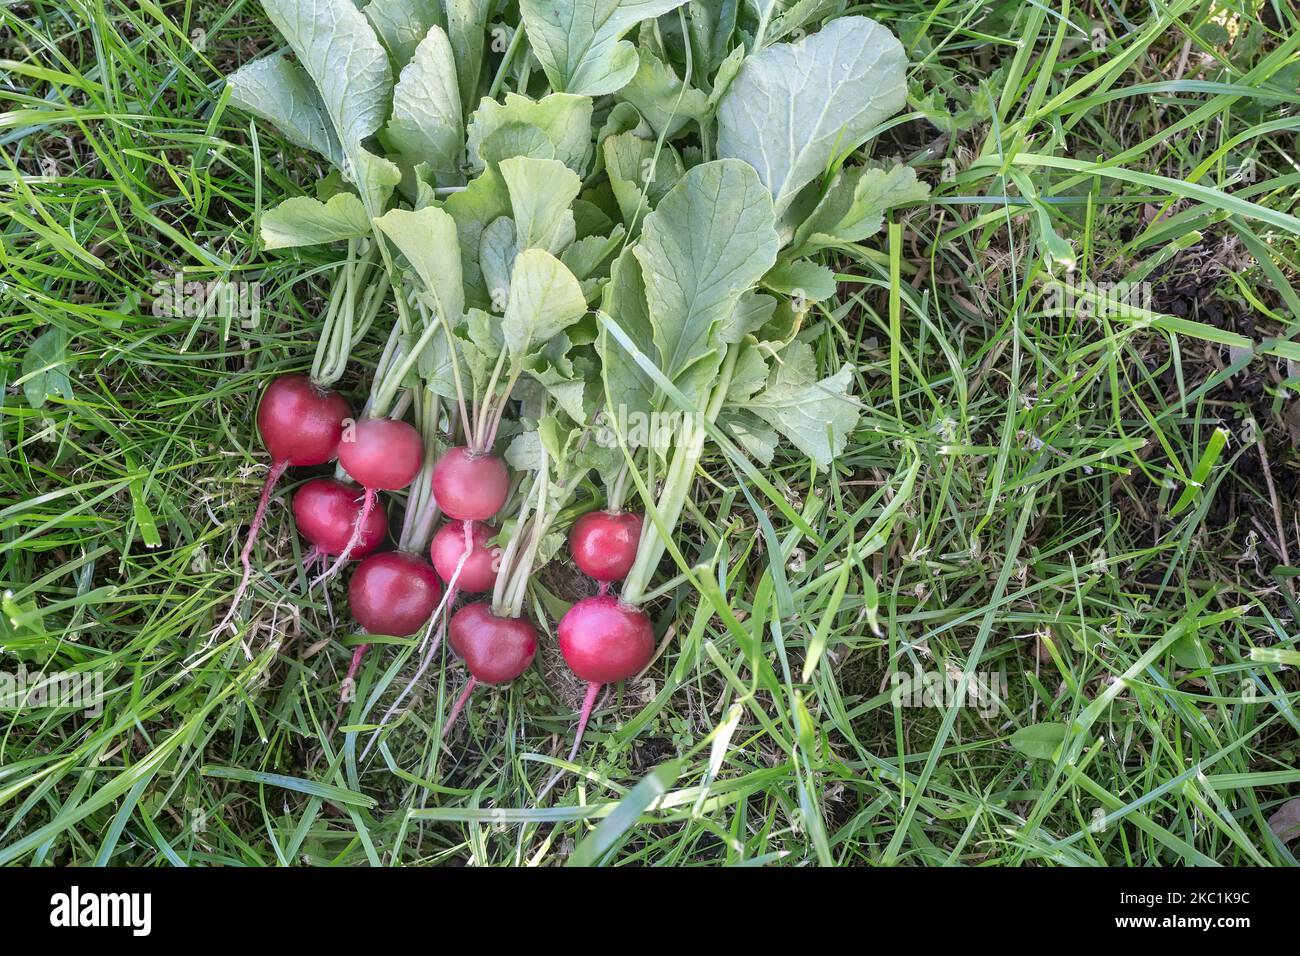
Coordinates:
457 707
367 505
349 681
588 702
603 588
245 556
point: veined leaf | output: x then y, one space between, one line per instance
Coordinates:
662 98
427 238
496 258
794 106
815 416
466 28
402 24
564 119
303 221
545 299
280 92
336 45
854 207
628 389
710 239
801 279
426 121
578 42
483 200
541 192
628 160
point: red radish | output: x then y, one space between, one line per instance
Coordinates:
604 640
326 511
393 593
469 486
603 543
495 649
300 423
479 570
379 454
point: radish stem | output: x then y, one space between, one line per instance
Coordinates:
457 707
245 556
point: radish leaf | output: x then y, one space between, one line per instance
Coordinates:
426 122
545 299
710 239
794 107
578 41
816 416
278 90
303 221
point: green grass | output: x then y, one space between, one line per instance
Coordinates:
1102 508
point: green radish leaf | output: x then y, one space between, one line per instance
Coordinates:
303 221
586 256
279 90
794 107
467 29
43 373
496 257
628 390
854 207
800 14
578 42
749 376
711 238
1039 740
541 192
426 121
752 312
712 24
630 161
801 279
545 299
563 119
662 98
402 24
336 45
483 200
515 139
427 238
816 416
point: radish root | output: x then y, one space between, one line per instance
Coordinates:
457 707
367 505
246 555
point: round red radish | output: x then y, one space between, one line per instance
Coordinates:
479 572
604 543
381 453
496 650
604 640
325 511
300 422
470 487
394 593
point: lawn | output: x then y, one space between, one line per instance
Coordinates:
1039 610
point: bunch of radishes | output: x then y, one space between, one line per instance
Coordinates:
549 259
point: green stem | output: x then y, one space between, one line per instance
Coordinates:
386 390
506 60
677 485
617 490
324 360
421 510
